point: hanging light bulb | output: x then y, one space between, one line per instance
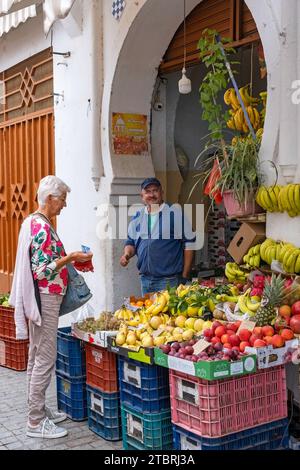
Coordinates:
184 84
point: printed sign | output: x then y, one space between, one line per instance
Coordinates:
130 134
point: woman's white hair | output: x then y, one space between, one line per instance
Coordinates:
51 186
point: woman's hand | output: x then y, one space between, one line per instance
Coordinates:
81 257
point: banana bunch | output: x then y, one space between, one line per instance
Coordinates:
286 253
252 258
246 97
160 304
280 199
289 199
248 304
124 314
231 99
234 273
268 250
268 198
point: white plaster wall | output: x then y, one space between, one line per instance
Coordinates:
75 140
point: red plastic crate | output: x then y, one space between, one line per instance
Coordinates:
7 322
221 407
101 369
14 353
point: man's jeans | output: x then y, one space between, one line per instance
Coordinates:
150 284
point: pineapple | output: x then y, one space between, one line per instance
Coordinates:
272 297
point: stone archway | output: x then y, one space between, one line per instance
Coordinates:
145 42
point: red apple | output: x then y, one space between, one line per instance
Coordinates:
287 334
295 324
243 345
285 311
245 334
234 340
215 340
215 325
225 339
220 331
268 339
252 339
259 343
227 346
208 333
267 330
230 332
258 332
296 308
277 341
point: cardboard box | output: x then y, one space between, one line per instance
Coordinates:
208 370
270 357
247 236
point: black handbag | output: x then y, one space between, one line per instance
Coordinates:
77 294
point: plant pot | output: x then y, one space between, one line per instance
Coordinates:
233 207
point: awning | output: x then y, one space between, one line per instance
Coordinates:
13 20
15 12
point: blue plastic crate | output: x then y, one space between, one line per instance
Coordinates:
70 354
146 431
269 436
71 396
104 415
142 387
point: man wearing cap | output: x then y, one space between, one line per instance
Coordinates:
162 239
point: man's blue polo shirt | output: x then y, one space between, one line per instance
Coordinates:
160 243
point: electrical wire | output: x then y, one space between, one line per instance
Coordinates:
184 34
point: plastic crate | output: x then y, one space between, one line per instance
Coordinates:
142 387
70 354
104 415
101 369
71 396
221 407
146 432
7 322
269 436
14 353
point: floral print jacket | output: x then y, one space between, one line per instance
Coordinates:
46 248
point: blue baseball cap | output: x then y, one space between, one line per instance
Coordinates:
149 181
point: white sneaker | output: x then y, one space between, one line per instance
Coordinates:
46 430
55 416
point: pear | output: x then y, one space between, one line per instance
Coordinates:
120 339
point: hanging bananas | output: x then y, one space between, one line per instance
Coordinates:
280 199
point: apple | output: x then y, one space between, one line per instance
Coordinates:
267 330
243 345
287 334
215 340
218 346
225 339
277 341
245 334
208 333
295 324
189 350
176 346
285 311
296 308
234 340
258 332
230 332
268 339
259 343
252 339
220 331
227 346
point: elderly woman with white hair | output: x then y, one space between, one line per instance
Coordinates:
39 284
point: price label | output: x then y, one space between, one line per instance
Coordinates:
200 346
246 325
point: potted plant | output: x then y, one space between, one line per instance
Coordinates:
231 171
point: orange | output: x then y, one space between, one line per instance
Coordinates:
148 302
140 303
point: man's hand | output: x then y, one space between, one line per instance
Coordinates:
124 261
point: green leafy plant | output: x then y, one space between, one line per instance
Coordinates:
214 83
